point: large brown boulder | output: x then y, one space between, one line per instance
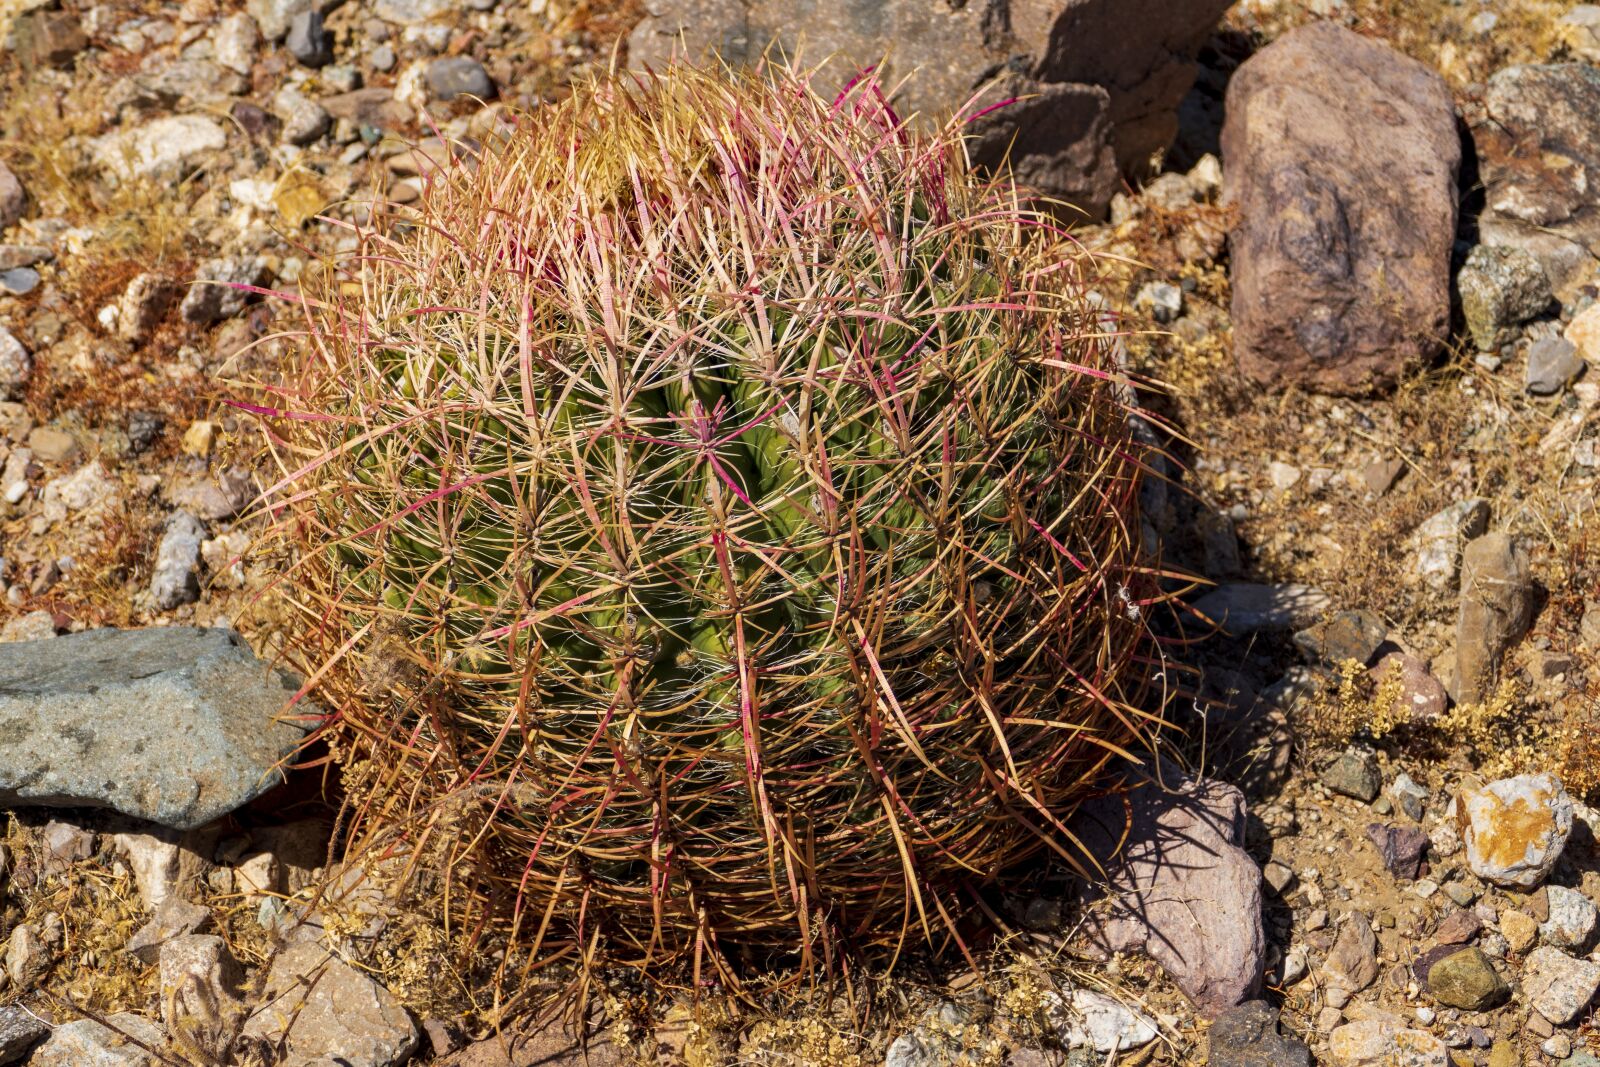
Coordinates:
1341 162
1105 76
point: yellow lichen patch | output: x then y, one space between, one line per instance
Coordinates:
298 197
1505 834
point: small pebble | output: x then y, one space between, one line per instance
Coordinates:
341 78
1409 795
459 76
308 40
1553 362
1277 875
1283 476
306 121
1161 300
19 281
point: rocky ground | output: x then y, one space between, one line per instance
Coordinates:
1379 403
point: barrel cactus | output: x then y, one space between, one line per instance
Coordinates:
714 524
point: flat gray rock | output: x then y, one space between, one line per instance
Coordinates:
175 725
86 1043
320 1010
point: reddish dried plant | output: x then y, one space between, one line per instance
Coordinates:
714 523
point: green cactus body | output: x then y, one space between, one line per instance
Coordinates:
715 457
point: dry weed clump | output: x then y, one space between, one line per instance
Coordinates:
113 557
1357 704
808 1039
712 522
86 913
1501 732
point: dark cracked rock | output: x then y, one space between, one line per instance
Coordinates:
174 725
1248 1036
1344 635
458 76
1400 847
1355 774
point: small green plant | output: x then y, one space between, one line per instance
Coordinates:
713 512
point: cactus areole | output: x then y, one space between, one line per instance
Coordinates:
714 524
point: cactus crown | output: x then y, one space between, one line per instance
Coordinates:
723 496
